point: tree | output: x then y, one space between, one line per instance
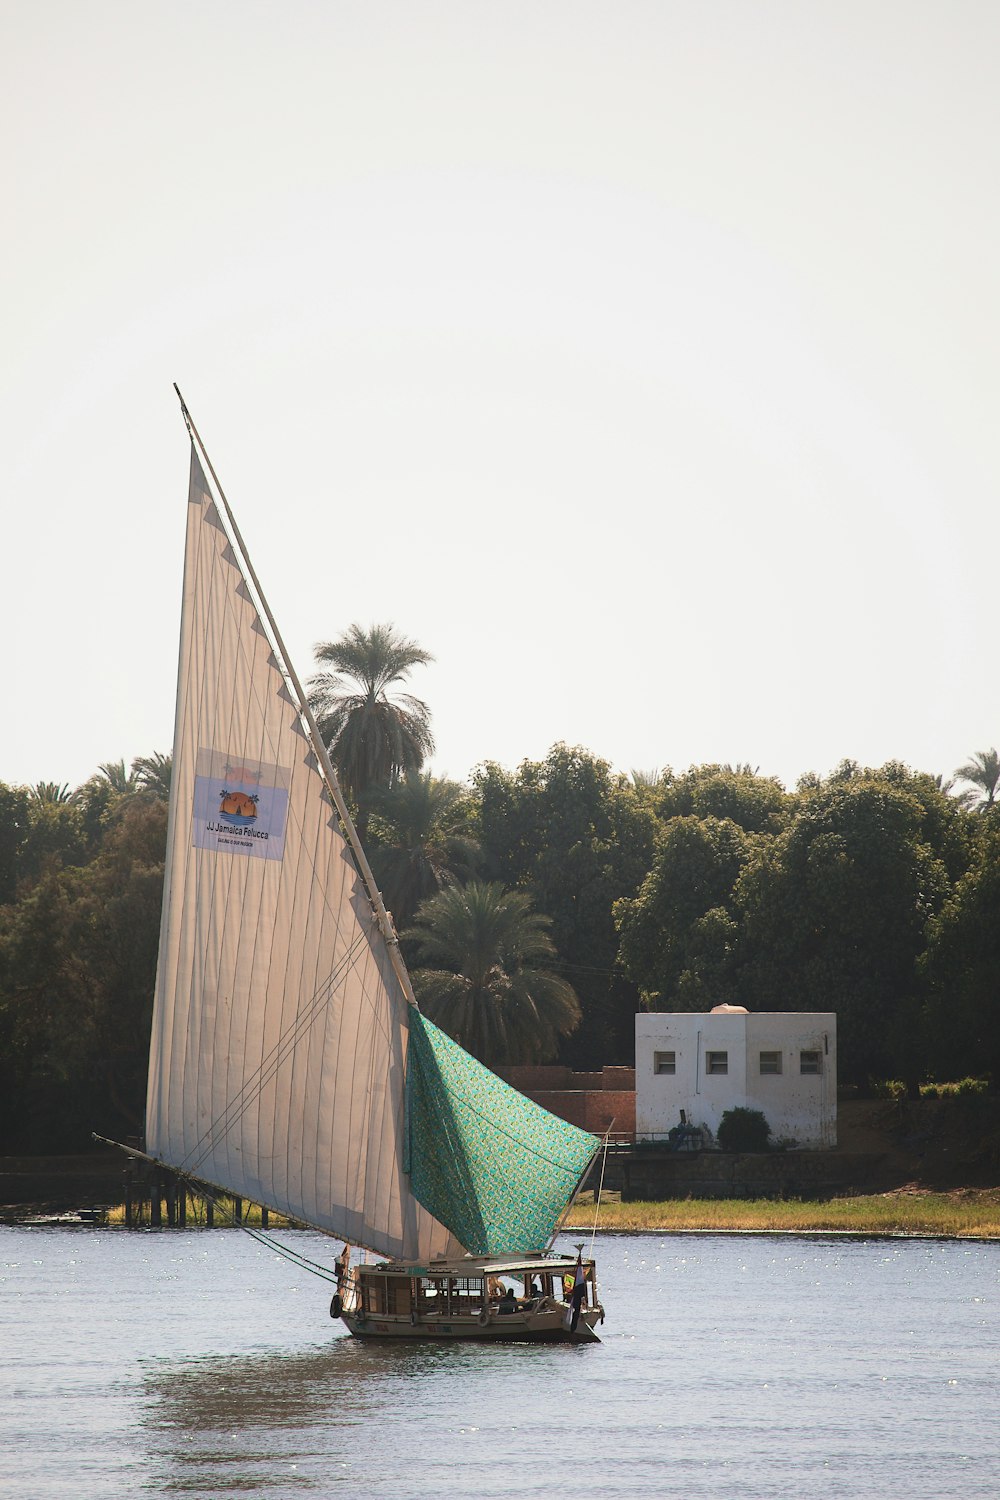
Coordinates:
575 838
14 821
51 793
57 835
373 739
982 773
122 782
756 803
834 914
962 970
77 968
678 935
484 980
419 840
152 774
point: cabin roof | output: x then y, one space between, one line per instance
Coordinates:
476 1266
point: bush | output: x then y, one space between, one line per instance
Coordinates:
743 1130
888 1088
965 1088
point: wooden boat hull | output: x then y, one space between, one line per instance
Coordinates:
550 1325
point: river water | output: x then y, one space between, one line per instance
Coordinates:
201 1364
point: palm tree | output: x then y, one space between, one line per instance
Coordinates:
373 739
487 987
121 781
52 793
152 774
425 847
983 775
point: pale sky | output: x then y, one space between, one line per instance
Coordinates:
638 359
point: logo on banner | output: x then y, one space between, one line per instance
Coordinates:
240 808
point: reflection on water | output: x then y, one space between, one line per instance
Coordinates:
199 1364
333 1386
370 1418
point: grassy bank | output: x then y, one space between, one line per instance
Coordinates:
965 1213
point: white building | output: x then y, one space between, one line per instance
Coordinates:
783 1063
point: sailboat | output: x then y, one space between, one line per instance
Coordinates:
290 1064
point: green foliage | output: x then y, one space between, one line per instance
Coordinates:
888 1088
757 804
373 739
77 968
151 774
743 1130
834 915
961 968
486 980
982 777
419 840
678 937
873 893
962 1088
575 838
14 823
57 836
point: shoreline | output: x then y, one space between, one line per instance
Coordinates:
959 1213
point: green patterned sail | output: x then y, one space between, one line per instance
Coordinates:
495 1168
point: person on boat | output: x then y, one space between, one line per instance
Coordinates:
343 1264
508 1302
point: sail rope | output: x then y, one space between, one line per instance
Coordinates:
600 1189
263 1238
287 1253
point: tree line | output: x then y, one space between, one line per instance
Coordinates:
538 908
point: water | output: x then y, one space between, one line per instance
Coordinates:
200 1364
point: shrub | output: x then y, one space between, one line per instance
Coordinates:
964 1088
889 1088
743 1130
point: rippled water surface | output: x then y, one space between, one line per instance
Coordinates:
199 1363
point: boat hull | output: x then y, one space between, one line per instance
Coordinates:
548 1326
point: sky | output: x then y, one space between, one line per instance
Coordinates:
639 360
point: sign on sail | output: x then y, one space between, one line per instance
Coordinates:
240 809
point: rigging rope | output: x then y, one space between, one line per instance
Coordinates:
261 1236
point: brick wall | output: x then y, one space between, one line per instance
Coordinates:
596 1110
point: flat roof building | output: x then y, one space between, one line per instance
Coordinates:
783 1063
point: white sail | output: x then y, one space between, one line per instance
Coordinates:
279 1025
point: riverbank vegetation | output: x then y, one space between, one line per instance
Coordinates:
962 1214
874 893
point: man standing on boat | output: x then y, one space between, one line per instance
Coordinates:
579 1292
343 1264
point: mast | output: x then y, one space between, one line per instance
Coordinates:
382 916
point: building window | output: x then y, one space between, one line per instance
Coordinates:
810 1062
716 1062
664 1062
770 1062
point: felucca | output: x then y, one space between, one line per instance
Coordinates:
290 1064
